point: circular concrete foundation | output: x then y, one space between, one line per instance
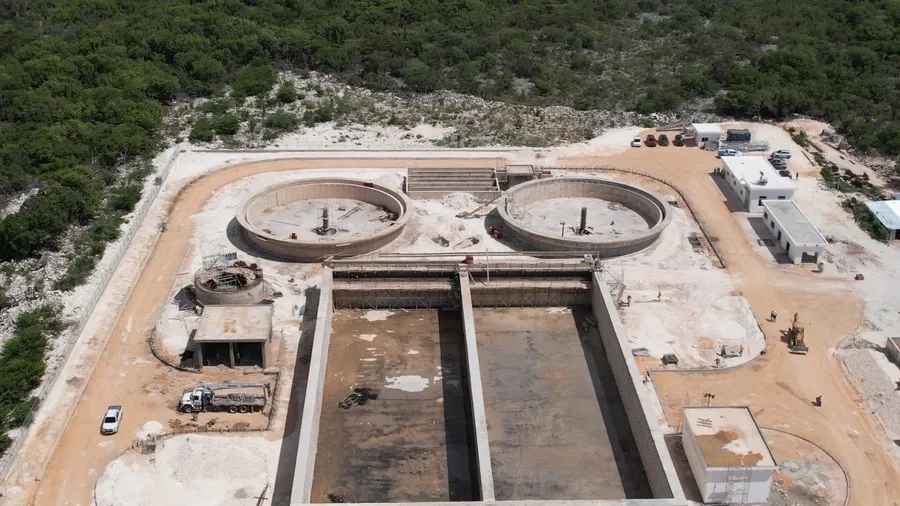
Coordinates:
308 220
621 218
238 284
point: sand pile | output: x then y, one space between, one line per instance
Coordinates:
460 201
195 469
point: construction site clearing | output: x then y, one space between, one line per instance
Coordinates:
455 343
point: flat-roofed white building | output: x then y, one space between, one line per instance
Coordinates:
793 231
754 180
730 459
888 213
706 133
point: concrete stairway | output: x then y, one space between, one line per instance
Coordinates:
436 183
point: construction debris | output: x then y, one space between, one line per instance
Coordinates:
359 396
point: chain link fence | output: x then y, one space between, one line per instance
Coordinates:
66 341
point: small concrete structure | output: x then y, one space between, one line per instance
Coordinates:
888 213
892 349
518 174
796 235
754 180
234 336
237 284
621 218
729 457
707 135
308 235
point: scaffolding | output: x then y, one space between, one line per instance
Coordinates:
737 485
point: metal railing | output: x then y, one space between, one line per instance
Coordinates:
67 340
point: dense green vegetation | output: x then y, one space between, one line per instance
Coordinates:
22 366
84 83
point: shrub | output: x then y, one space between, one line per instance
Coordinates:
225 124
286 93
254 80
202 131
280 121
125 198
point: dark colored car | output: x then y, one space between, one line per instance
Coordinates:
663 140
651 141
679 140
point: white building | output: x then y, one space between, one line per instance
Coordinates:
754 180
706 133
888 213
731 461
793 231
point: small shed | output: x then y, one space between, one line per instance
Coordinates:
793 231
234 336
888 213
755 181
730 459
707 135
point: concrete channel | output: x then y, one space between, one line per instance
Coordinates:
523 394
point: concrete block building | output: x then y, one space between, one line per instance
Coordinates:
730 459
706 135
234 336
755 181
793 231
888 213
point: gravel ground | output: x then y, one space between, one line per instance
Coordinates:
876 388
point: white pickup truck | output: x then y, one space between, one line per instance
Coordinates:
111 420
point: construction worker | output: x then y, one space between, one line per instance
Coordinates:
659 297
742 350
773 316
818 401
629 300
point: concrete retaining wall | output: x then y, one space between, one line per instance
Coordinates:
652 208
654 455
301 490
324 188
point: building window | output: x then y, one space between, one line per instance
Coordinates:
779 235
781 197
765 215
772 224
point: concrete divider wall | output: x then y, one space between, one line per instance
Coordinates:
655 456
308 251
476 392
301 489
654 211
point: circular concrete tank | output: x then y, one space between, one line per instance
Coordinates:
308 220
620 218
237 284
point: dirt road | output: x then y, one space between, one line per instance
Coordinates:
778 386
126 369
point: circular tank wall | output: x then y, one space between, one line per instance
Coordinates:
364 217
621 218
238 284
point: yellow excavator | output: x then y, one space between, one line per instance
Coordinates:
797 337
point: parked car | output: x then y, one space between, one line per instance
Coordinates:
781 153
111 420
778 163
679 140
729 152
651 141
636 142
786 173
663 140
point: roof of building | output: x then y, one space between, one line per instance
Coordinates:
887 212
707 128
728 437
222 324
749 168
794 222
